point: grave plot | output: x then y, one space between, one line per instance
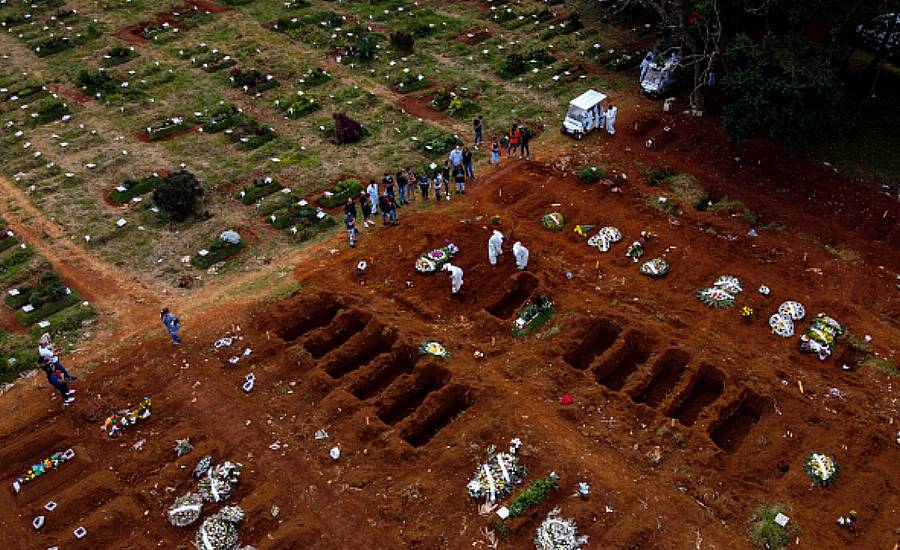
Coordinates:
703 389
438 410
360 350
591 342
75 501
737 420
667 373
409 392
372 380
622 361
294 319
522 288
342 328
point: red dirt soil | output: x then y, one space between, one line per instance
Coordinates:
684 418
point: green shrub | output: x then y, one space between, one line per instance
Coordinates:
440 145
12 258
219 118
165 128
301 107
512 66
409 82
15 302
47 309
442 99
249 134
6 241
118 55
48 111
403 41
258 189
349 188
52 46
134 188
66 321
591 174
658 176
50 289
252 81
219 251
533 495
177 195
314 77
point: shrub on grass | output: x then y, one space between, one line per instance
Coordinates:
98 83
13 258
252 81
301 107
258 189
178 194
250 134
512 66
133 188
219 251
657 176
403 41
6 241
591 174
52 46
66 321
338 195
409 82
442 99
22 298
440 145
50 289
47 309
165 128
314 77
346 130
48 111
219 118
118 55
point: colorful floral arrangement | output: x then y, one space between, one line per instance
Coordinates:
433 347
431 261
496 477
218 531
657 268
722 293
535 313
747 312
220 482
823 469
53 462
782 322
635 250
115 423
820 337
534 494
583 230
186 510
203 466
554 221
604 238
556 533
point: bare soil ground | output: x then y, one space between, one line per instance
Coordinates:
684 417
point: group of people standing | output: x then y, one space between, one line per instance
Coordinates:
518 141
400 189
495 250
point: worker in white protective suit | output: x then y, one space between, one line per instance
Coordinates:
521 254
456 276
611 119
495 246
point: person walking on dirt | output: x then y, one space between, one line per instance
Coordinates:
478 129
388 210
55 378
495 246
172 324
402 183
495 151
521 255
467 163
46 351
350 224
456 277
611 114
524 149
365 205
513 141
459 179
372 190
423 185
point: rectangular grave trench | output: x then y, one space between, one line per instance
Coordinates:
627 358
738 420
438 411
402 360
523 285
336 334
667 374
76 500
594 341
706 386
360 350
411 392
315 315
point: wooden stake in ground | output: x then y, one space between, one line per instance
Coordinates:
800 385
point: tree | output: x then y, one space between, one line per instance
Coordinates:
178 194
346 130
403 41
783 91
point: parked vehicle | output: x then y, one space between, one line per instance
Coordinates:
659 73
584 115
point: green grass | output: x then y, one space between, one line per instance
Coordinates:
763 530
882 364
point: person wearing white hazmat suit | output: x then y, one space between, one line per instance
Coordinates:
521 254
495 246
456 276
611 119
